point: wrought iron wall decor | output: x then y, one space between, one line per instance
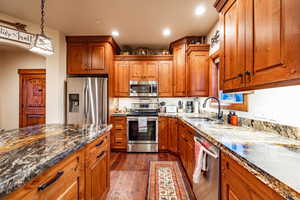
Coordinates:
216 38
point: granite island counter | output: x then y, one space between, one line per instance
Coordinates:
29 152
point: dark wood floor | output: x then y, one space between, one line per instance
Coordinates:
129 174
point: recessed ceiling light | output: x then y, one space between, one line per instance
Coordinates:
115 33
166 32
200 10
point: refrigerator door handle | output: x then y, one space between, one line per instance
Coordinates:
85 102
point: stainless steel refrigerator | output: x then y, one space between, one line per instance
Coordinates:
87 100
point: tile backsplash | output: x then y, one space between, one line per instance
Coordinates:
125 103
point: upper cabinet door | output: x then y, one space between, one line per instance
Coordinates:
150 71
179 71
198 73
121 78
77 58
136 70
165 79
233 46
260 42
268 29
97 57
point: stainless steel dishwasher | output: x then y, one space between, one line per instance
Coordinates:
208 186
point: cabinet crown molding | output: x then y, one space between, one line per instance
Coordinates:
219 4
95 38
142 57
198 47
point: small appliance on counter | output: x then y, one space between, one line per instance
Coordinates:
180 107
162 107
196 106
171 109
189 108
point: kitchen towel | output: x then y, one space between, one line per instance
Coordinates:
201 165
142 124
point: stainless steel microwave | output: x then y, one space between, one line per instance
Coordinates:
143 89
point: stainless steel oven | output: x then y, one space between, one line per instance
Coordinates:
142 141
143 88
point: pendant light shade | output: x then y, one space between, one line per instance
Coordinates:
41 43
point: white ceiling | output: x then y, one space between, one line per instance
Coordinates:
140 22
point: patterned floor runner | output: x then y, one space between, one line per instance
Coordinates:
166 181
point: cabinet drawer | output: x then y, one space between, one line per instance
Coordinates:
120 134
95 150
62 181
119 123
120 126
94 154
66 182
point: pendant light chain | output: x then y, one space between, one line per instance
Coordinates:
42 16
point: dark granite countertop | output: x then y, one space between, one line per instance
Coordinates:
273 159
26 152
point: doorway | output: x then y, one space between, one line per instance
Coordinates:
32 97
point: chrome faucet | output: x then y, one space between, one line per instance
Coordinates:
220 113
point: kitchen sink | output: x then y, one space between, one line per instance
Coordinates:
201 118
205 120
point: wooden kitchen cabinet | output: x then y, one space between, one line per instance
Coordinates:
97 170
96 57
259 44
90 54
163 133
165 78
173 135
186 149
198 70
85 174
118 133
136 70
86 58
239 184
233 46
179 70
143 70
121 79
63 181
77 58
151 70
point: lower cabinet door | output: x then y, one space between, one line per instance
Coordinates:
190 160
173 135
239 184
163 134
97 178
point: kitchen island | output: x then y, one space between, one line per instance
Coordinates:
51 161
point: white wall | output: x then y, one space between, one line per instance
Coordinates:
55 68
11 61
211 33
280 105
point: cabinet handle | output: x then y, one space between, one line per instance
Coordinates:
101 154
248 76
44 186
242 77
100 143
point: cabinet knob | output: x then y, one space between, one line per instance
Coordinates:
242 77
248 76
293 71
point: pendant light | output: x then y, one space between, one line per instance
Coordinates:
41 43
